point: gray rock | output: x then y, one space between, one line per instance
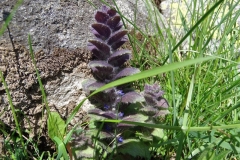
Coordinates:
62 23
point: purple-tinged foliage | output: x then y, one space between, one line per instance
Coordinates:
126 72
91 85
119 57
102 71
119 36
102 16
114 23
156 105
100 46
153 90
108 63
120 102
101 31
132 97
153 96
105 114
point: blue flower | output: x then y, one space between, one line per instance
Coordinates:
120 115
108 128
120 93
106 107
119 139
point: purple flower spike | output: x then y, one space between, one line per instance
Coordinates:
108 58
109 63
101 17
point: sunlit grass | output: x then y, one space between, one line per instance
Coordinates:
200 95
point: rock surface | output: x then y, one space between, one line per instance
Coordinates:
63 23
60 67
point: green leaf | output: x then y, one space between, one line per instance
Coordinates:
132 97
56 126
62 152
222 155
134 118
69 134
158 133
210 154
85 153
207 154
135 149
195 26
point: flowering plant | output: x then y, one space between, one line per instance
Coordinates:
121 102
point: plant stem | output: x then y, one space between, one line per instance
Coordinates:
38 76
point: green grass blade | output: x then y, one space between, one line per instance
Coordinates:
142 75
13 112
74 112
189 98
9 18
195 26
38 75
228 111
180 146
62 152
152 72
167 127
